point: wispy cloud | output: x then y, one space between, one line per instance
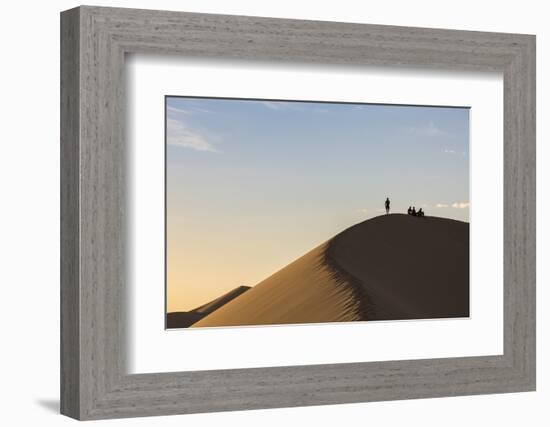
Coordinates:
196 109
295 106
460 205
430 130
191 109
455 205
454 152
171 109
277 106
180 134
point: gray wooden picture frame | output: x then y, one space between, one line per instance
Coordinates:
94 41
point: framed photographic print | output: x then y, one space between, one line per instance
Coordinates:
241 171
347 210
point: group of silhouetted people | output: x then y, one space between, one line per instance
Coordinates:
412 211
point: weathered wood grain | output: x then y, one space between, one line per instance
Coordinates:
70 219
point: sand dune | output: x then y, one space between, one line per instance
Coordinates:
218 302
184 319
408 267
386 268
303 292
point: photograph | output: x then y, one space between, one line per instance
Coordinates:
286 212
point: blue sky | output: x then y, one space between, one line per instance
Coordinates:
274 179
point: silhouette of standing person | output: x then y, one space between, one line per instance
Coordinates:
387 205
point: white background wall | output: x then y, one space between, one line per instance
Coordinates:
29 211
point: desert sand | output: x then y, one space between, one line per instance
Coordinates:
390 267
184 319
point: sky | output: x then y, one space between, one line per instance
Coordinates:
253 185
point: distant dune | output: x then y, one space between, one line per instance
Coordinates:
184 319
220 301
386 268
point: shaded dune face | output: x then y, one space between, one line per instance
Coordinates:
404 267
387 268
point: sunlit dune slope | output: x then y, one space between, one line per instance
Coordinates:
184 319
218 302
305 291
